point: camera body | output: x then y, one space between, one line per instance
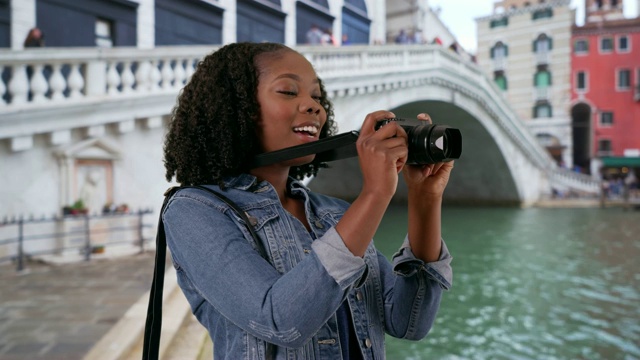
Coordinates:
429 143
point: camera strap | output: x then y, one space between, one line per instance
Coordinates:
338 147
153 325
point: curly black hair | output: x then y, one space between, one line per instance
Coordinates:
212 133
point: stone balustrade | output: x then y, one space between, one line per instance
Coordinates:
92 87
57 75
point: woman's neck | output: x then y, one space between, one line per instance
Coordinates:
277 176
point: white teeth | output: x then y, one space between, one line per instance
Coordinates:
310 129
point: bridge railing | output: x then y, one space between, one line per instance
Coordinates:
56 75
38 85
575 181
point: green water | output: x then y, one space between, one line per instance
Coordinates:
532 284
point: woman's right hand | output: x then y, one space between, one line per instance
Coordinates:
382 154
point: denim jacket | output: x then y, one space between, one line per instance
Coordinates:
284 307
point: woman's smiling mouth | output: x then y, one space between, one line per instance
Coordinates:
311 131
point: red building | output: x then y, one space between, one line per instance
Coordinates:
605 87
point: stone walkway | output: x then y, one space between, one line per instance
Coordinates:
60 311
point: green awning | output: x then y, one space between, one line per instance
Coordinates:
621 161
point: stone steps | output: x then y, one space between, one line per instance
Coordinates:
182 336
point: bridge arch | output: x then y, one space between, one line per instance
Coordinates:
481 175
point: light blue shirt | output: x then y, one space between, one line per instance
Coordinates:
284 308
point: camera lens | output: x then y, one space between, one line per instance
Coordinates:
430 143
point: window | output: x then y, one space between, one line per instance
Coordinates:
103 33
542 14
581 81
623 43
500 80
504 21
542 110
606 118
499 51
581 46
606 45
542 44
542 78
604 147
624 79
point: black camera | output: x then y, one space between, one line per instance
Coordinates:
429 143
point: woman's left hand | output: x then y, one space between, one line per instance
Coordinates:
427 180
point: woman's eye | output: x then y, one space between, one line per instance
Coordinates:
290 93
317 98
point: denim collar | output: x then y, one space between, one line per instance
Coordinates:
249 182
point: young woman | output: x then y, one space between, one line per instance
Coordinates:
323 292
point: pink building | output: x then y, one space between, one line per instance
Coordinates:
605 88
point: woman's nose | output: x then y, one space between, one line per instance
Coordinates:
310 107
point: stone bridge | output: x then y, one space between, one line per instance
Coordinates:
56 100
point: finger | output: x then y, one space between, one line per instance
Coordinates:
391 130
368 126
425 117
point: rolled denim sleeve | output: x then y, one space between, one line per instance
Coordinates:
346 268
406 264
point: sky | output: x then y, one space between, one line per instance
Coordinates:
459 16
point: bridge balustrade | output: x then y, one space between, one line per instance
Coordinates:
37 85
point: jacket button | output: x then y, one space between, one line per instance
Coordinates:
319 224
359 295
367 342
252 220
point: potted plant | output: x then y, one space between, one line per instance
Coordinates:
78 208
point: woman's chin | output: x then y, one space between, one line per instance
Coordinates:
303 160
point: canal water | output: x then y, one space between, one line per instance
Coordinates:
532 284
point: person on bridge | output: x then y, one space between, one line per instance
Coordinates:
322 291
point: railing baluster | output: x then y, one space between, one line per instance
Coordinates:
38 84
179 74
57 83
87 232
75 82
167 74
113 78
154 76
127 78
143 76
189 69
19 85
140 225
3 87
20 243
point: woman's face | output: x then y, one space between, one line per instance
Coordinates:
289 97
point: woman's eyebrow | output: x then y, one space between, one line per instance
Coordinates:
294 77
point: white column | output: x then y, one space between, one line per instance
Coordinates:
289 8
335 8
146 27
23 18
377 11
229 21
